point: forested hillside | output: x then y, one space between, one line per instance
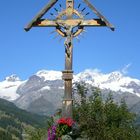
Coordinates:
17 124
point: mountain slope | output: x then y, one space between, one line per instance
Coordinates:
14 122
22 115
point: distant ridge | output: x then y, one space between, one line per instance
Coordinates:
42 92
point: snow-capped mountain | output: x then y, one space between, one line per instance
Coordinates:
114 81
43 92
9 86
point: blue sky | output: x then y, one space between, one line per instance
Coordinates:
24 53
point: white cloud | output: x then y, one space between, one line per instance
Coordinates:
93 70
125 69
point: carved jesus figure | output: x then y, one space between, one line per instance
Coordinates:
68 40
68 31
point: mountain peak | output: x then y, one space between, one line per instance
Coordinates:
12 78
49 75
115 76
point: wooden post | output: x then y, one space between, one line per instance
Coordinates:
68 73
67 77
67 101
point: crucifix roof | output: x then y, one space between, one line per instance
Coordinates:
102 21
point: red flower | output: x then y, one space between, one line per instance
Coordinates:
70 122
66 121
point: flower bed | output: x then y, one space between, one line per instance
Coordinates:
63 126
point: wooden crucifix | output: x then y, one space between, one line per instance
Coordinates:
68 27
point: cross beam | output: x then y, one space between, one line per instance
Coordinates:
70 22
65 29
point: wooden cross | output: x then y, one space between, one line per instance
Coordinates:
65 28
